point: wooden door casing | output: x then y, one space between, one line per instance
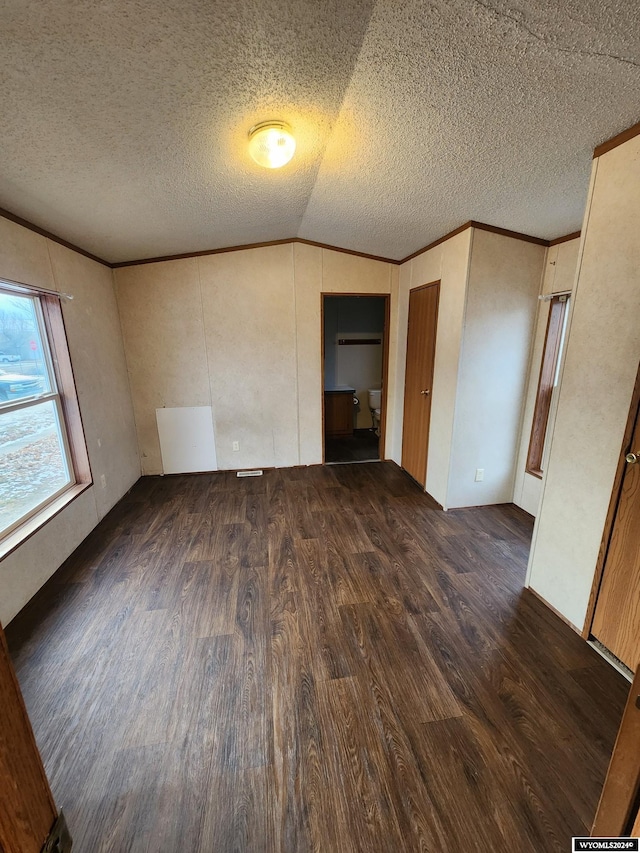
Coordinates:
28 811
421 348
616 621
385 363
617 812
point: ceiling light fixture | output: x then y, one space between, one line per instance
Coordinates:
271 144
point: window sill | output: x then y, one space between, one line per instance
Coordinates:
535 472
20 535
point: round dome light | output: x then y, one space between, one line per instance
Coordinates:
271 144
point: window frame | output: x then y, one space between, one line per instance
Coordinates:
65 398
547 381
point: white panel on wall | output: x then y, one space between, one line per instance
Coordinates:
529 494
160 307
186 439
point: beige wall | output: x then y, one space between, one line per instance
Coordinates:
602 354
560 267
559 276
448 262
241 332
248 305
97 355
323 271
163 307
502 300
488 298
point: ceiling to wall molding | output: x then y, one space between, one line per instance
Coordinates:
125 122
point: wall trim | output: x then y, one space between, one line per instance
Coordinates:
482 226
346 251
619 139
531 591
472 223
12 217
224 249
505 232
437 242
185 255
565 239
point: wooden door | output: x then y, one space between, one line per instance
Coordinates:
617 812
27 810
421 348
616 622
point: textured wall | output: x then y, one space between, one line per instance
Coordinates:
249 318
320 271
504 282
559 275
95 344
448 263
241 332
161 316
603 350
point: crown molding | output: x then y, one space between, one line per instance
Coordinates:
12 217
437 242
482 226
246 246
565 239
619 139
472 223
505 232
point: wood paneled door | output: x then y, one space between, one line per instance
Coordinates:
618 812
421 348
28 816
616 622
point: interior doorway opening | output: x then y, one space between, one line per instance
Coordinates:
354 364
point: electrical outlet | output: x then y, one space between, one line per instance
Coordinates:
103 481
479 475
236 445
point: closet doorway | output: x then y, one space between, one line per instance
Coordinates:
354 370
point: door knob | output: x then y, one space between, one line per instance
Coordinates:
632 458
426 393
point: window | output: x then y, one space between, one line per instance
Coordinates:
43 457
549 373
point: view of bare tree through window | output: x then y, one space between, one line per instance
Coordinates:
33 459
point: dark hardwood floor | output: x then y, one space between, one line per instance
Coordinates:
362 446
318 659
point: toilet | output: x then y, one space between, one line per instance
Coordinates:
375 401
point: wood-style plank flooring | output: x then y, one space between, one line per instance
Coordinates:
362 446
318 659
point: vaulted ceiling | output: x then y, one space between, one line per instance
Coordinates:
124 122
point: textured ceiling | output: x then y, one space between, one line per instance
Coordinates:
125 121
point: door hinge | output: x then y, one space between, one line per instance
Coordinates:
59 839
